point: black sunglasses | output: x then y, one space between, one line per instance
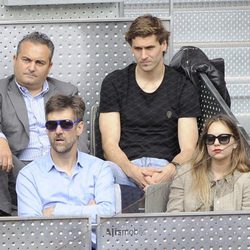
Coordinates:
223 139
64 124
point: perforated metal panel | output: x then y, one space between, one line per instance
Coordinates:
209 105
144 2
185 231
219 28
212 26
160 9
223 2
240 96
53 2
41 234
240 102
85 52
59 12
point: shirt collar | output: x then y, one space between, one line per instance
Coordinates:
51 164
25 91
228 178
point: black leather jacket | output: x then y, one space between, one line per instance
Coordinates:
191 61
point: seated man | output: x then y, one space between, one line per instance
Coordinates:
23 95
147 111
65 181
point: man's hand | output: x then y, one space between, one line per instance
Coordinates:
48 211
92 202
167 173
5 156
143 176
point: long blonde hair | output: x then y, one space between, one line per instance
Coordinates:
201 161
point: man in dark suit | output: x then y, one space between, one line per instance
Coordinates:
22 98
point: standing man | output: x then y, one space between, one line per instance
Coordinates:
147 111
65 181
23 95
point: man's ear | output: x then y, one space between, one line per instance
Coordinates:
164 46
14 60
80 128
50 64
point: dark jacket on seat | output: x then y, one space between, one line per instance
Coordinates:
191 61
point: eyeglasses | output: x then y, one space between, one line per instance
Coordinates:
64 124
223 139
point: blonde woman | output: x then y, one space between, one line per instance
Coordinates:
218 177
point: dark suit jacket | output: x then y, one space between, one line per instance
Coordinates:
14 123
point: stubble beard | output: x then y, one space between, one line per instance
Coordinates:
62 149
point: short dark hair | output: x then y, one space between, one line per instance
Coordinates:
37 37
147 25
61 102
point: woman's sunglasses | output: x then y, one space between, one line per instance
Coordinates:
223 139
64 124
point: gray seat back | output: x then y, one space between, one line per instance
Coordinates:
156 198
